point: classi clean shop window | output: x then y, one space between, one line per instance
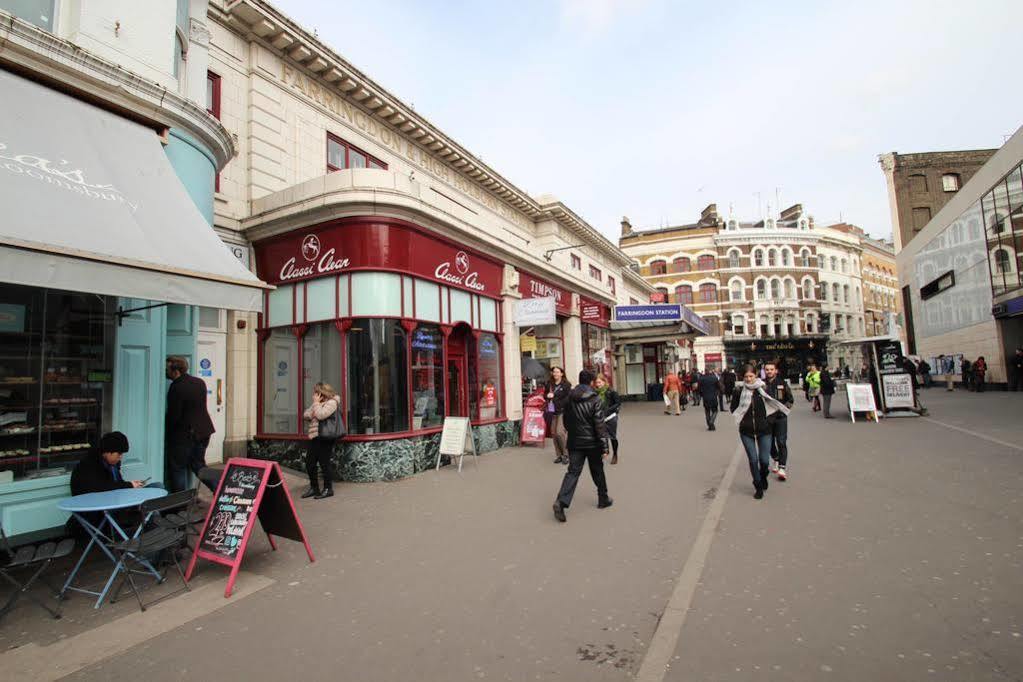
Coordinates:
56 359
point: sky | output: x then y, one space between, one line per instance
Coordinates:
653 109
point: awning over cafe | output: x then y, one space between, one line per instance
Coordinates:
91 203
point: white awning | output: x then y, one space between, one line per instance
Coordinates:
92 204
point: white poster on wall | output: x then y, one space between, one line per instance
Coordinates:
535 311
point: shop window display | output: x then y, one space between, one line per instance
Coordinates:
377 377
489 350
321 358
427 377
56 359
281 405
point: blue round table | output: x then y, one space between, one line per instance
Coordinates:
104 503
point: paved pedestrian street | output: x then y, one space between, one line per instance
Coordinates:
891 553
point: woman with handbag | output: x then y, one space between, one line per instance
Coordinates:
556 392
324 417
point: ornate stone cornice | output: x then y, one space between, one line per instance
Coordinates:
36 53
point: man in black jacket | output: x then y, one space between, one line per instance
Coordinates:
100 471
776 387
709 388
188 425
587 442
728 383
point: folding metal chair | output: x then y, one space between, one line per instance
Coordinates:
162 531
35 558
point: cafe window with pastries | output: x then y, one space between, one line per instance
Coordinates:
56 355
404 348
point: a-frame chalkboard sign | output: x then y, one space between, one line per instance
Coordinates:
248 489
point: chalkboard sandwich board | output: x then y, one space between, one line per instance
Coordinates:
249 489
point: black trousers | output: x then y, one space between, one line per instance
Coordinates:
780 443
612 434
320 450
595 458
710 410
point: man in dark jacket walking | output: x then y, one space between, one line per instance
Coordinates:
728 383
587 442
709 388
827 391
188 426
776 387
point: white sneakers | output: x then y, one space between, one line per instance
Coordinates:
781 474
774 466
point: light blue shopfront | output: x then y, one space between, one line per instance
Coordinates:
130 227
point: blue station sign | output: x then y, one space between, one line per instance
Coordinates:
661 312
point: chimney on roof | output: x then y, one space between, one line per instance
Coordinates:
792 212
709 216
626 226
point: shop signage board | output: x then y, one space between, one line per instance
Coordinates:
531 286
534 428
898 391
664 312
889 357
712 357
456 440
249 489
535 311
350 245
861 399
527 343
594 312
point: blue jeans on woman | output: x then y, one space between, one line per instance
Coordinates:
758 451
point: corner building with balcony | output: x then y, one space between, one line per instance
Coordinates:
397 257
781 288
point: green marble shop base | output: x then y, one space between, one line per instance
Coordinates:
383 460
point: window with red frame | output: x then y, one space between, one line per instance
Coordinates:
658 267
577 262
681 265
683 294
611 283
706 262
213 108
341 155
596 274
708 293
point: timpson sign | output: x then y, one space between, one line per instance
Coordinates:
353 246
534 287
396 142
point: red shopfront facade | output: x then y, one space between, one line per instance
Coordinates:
403 323
550 339
596 332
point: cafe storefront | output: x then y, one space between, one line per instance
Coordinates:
596 335
792 355
405 324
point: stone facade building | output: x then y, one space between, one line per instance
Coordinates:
920 184
882 303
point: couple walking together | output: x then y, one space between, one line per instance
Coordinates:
760 408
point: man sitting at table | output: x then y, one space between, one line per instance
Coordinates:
101 471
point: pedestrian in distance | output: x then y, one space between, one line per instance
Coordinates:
778 388
612 404
751 406
556 392
813 386
694 387
672 389
827 383
979 373
187 427
728 383
587 442
709 388
325 427
924 368
967 375
1015 366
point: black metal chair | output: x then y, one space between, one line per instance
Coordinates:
186 518
161 532
34 558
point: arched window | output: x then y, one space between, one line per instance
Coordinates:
733 258
834 264
790 289
661 295
708 293
807 290
736 290
824 291
835 293
845 265
804 257
786 258
681 264
761 290
658 267
706 262
1002 261
683 294
845 293
758 258
772 258
738 324
820 261
775 289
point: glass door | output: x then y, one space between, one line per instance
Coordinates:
459 404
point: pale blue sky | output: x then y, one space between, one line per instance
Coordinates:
653 109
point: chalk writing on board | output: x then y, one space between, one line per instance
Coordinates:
232 512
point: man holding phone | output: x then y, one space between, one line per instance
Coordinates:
101 470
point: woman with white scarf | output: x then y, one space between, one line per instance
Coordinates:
752 409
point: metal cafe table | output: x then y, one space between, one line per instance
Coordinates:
107 531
